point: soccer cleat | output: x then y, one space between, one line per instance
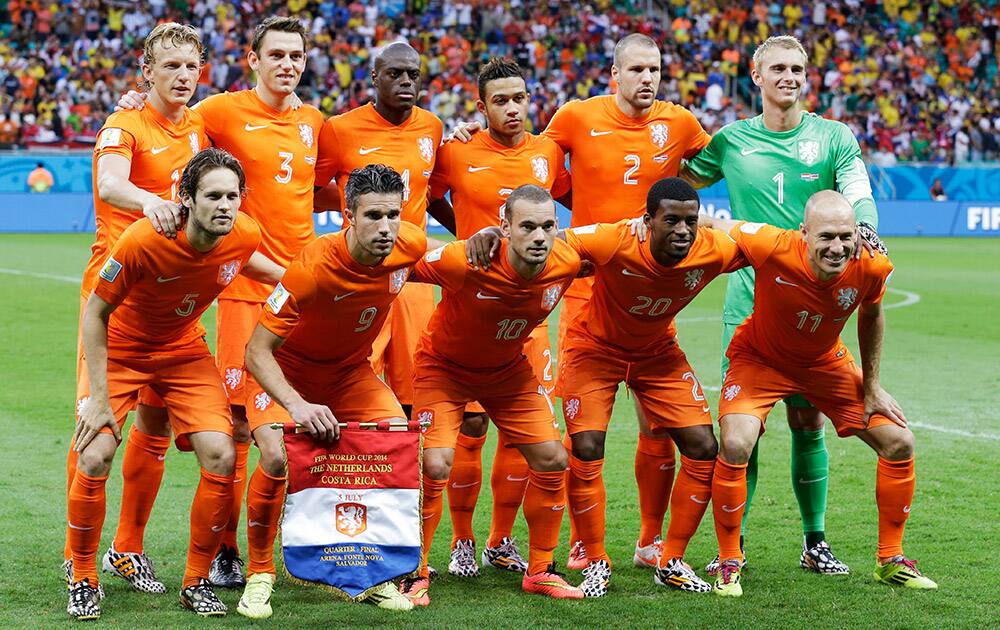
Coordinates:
550 584
84 601
134 568
505 556
712 568
463 559
899 571
820 559
256 600
387 597
596 578
727 581
417 590
227 569
202 599
679 574
577 559
648 557
431 572
67 567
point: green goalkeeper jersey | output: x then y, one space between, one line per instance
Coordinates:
771 175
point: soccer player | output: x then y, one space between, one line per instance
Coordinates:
141 327
808 283
480 174
137 166
773 163
344 282
473 350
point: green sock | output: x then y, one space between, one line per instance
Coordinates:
751 488
810 478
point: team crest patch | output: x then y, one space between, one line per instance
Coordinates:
306 134
658 134
111 269
228 271
261 401
540 168
551 296
731 392
435 255
233 377
425 418
571 408
397 279
808 152
110 137
693 278
195 145
426 146
352 518
846 297
278 298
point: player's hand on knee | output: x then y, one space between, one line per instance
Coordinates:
880 401
464 131
482 246
131 100
317 419
166 217
94 416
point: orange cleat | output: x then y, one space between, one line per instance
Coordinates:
550 584
417 590
577 560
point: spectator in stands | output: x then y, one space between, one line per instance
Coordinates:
40 180
937 191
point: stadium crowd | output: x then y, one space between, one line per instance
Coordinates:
915 80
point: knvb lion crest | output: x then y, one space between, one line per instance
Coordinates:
352 518
658 134
195 145
540 168
426 146
397 279
551 296
234 376
730 392
847 297
262 401
571 408
306 134
693 278
808 152
228 271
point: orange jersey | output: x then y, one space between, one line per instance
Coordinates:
278 153
797 319
361 137
485 316
615 159
158 150
329 307
635 298
481 174
162 286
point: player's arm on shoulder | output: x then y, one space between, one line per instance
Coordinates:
115 188
705 167
96 413
262 269
597 243
444 266
871 328
852 177
131 100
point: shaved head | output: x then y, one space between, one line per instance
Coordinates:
826 206
630 40
394 52
397 81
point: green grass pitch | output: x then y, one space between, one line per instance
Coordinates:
940 362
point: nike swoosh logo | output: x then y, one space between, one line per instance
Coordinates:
82 529
476 169
464 485
218 528
785 282
338 298
516 479
595 133
255 524
483 296
666 466
705 409
157 151
364 151
586 509
161 279
424 518
840 319
746 152
906 509
697 500
726 508
558 508
632 274
817 480
160 458
249 127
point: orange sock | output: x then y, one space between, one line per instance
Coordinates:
588 501
264 500
574 533
509 480
85 513
431 516
654 475
729 498
142 471
209 513
464 483
70 474
239 490
692 492
544 504
894 486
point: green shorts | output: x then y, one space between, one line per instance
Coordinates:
728 330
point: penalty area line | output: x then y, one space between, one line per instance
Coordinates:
43 276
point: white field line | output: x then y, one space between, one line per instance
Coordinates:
43 276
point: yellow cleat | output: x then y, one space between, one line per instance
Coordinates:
256 600
727 582
898 571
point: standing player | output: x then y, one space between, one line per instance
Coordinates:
473 350
773 163
141 327
341 282
809 283
480 174
137 166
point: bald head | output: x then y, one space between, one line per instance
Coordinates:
826 206
395 52
830 232
396 78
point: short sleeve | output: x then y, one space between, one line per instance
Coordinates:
328 155
121 270
214 113
597 242
757 241
705 166
445 266
283 309
440 182
563 182
699 138
561 127
729 252
884 275
117 138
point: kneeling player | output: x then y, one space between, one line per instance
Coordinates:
141 328
310 351
474 350
807 285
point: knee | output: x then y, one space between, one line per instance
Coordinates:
95 460
588 446
272 459
219 459
736 448
705 449
900 448
475 424
550 460
436 467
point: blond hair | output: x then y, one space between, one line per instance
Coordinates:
174 33
788 42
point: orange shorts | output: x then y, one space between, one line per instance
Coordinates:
570 308
753 387
664 384
539 355
235 321
353 393
188 383
518 405
393 349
